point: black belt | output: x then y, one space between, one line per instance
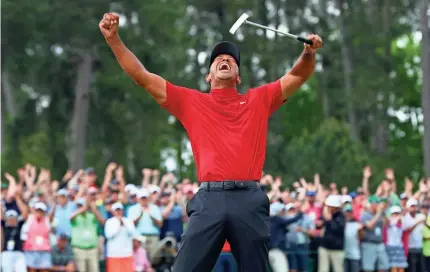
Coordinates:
230 185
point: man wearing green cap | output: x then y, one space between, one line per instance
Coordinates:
228 132
372 246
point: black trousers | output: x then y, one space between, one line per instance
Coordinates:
240 216
416 262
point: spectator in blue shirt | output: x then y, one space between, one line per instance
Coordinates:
173 212
63 211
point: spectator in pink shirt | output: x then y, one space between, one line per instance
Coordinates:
141 262
315 209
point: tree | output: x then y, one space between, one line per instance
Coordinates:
425 64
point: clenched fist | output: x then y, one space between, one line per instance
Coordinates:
316 42
109 25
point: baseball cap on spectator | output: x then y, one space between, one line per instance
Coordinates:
346 199
311 193
143 194
403 196
89 170
129 188
4 185
11 213
411 202
276 208
373 199
117 206
154 189
40 206
63 236
395 209
62 192
165 194
333 201
353 195
290 206
80 202
92 190
347 208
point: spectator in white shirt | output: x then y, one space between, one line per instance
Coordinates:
148 220
414 222
394 243
119 232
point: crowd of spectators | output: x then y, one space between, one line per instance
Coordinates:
72 224
318 228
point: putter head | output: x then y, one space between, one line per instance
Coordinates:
238 23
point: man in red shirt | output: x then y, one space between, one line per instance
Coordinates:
227 131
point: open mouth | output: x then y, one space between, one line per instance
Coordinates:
224 67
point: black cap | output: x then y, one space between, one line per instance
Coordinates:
63 236
227 48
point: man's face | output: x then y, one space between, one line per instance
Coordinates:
164 200
311 199
143 201
412 209
133 198
225 68
61 242
92 177
118 213
189 195
114 196
62 200
12 221
40 213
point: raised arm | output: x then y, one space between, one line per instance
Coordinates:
154 84
302 69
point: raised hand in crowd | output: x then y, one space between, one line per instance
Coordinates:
12 186
389 174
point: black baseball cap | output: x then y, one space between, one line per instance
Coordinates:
227 48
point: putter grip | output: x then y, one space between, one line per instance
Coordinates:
304 40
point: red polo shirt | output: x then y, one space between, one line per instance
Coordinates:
227 130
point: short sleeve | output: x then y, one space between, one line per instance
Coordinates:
271 94
178 100
365 217
133 213
156 213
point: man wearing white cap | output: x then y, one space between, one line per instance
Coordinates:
148 220
332 242
12 257
414 222
119 232
63 210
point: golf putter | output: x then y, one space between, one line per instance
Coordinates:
243 20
